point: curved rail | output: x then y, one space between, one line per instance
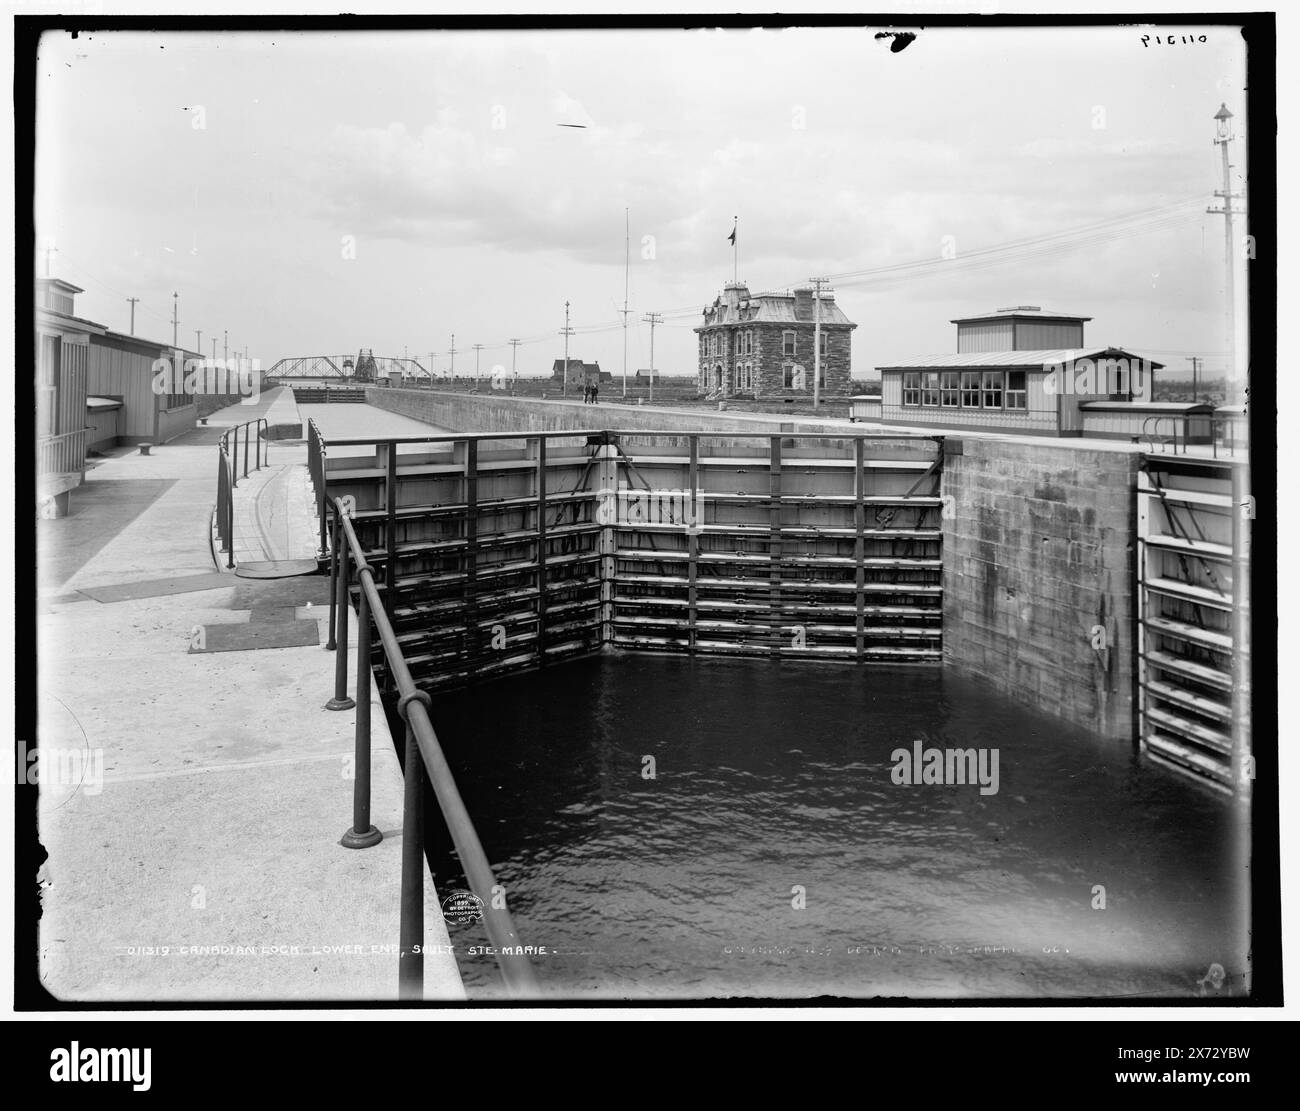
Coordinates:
228 476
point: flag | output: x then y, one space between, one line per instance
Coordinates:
732 237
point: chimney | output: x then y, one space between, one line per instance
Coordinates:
733 293
803 304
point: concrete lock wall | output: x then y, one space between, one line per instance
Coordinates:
493 412
1038 560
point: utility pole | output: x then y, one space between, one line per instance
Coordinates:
477 348
817 340
225 347
430 370
1223 136
175 321
627 272
49 251
566 333
134 301
198 342
452 371
1195 360
514 374
652 318
214 349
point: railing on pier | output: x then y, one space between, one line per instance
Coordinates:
228 475
1225 433
316 455
422 755
62 454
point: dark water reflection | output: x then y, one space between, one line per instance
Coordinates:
772 775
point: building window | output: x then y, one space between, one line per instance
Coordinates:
949 389
931 395
788 377
787 343
1016 393
821 346
970 389
47 384
912 387
993 389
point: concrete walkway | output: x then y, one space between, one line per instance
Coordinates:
192 801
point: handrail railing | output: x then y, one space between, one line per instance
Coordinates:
228 476
1223 432
316 455
850 432
423 754
261 444
1151 432
62 454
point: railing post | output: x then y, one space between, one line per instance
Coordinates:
334 581
390 531
246 451
230 518
341 701
362 834
410 960
234 466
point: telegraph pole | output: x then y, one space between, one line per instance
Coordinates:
514 374
198 342
566 333
134 301
652 318
49 251
214 349
225 347
452 371
627 271
1195 360
175 322
430 370
1223 136
477 348
817 341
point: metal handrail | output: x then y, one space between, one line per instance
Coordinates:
849 433
228 477
1151 432
261 440
423 755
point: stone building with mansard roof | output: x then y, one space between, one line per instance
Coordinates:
761 345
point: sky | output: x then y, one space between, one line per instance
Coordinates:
318 193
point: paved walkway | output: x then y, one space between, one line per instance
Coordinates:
194 793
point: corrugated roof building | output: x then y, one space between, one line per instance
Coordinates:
1022 369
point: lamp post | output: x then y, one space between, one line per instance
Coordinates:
1222 137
